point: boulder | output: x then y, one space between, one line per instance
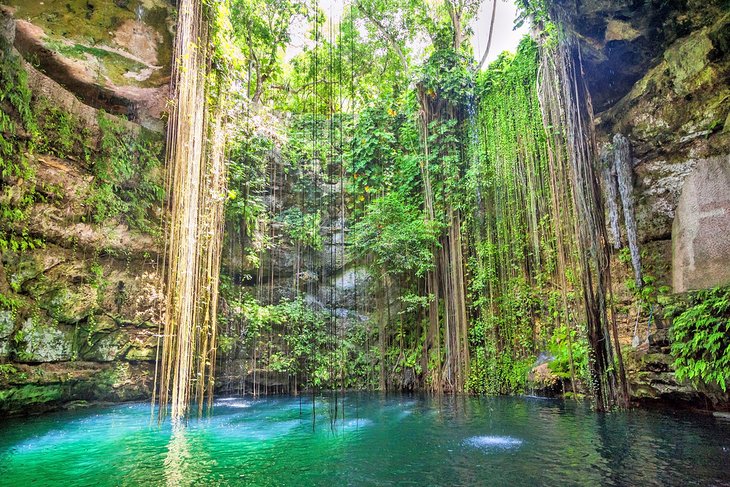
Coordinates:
542 381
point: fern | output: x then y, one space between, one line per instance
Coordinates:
701 339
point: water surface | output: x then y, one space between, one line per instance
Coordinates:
394 440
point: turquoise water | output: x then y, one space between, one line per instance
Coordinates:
394 440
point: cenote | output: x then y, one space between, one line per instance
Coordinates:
510 246
375 440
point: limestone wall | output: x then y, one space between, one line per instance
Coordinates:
701 230
659 76
80 307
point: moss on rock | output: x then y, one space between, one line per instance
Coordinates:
43 341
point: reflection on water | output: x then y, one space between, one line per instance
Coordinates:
177 460
371 440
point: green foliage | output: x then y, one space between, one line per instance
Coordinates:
9 303
15 95
701 338
649 295
497 373
396 234
62 134
485 152
127 177
262 30
446 74
17 185
7 371
297 338
302 227
560 348
360 63
374 150
513 268
536 10
250 150
127 180
307 341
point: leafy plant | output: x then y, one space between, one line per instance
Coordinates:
561 345
301 227
701 338
127 179
396 235
446 74
18 179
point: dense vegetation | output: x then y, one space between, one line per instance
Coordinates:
458 200
701 337
396 217
124 163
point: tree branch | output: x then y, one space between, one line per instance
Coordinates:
388 35
489 37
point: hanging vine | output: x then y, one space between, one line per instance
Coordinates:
195 187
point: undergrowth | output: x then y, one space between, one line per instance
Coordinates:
700 335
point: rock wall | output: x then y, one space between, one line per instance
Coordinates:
700 243
659 74
113 55
80 295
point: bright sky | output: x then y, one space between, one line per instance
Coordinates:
504 37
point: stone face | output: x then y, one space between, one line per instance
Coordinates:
143 349
105 347
37 388
67 305
620 30
7 325
76 305
45 342
674 117
659 185
701 229
658 73
115 57
7 25
688 62
351 290
620 40
651 377
139 39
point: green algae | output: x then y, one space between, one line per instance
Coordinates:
81 29
29 395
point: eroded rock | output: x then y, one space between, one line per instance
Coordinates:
41 341
112 57
701 247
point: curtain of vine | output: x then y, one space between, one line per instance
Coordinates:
522 273
195 187
568 114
